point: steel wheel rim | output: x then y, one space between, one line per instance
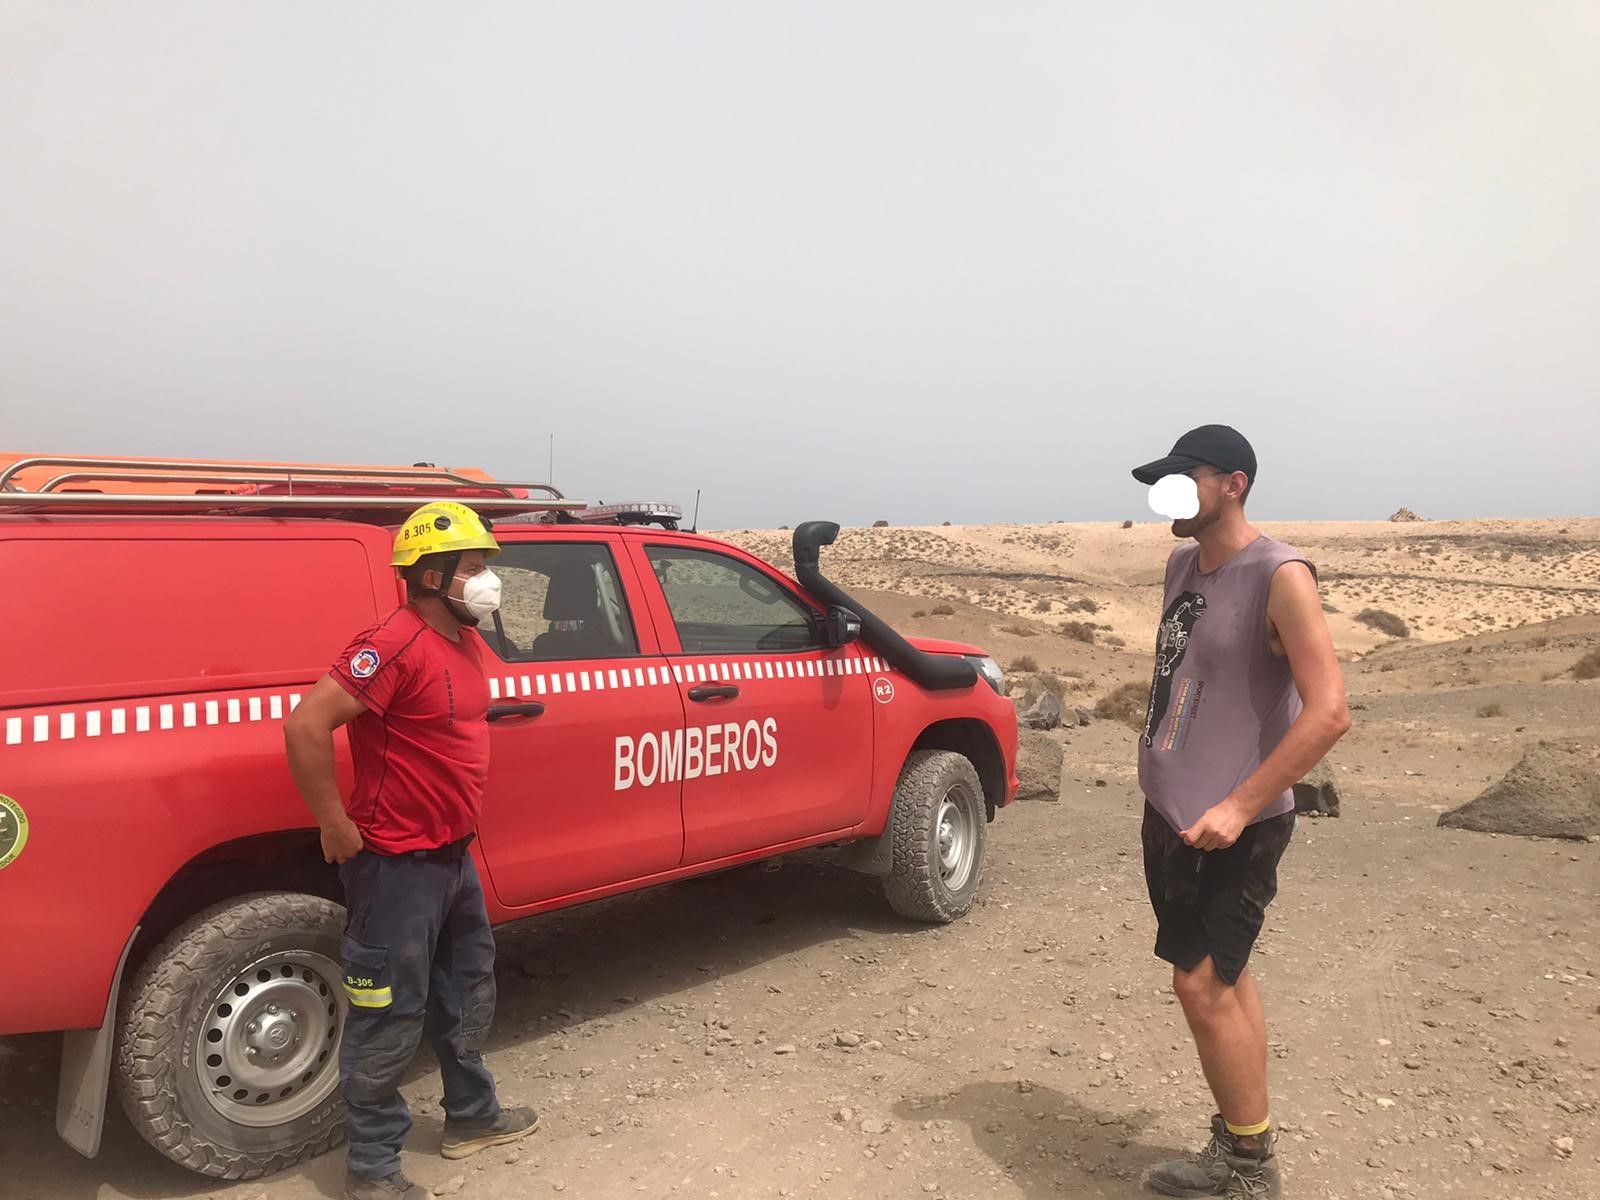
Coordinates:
955 838
268 1049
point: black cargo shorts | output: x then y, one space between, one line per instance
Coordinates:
1212 902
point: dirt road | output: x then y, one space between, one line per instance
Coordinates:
1435 1022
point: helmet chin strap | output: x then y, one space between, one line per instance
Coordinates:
448 566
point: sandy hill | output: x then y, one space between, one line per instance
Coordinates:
1444 579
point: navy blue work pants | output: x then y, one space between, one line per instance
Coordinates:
418 957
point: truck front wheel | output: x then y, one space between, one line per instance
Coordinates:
228 1049
939 829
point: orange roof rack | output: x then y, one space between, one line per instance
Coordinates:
51 483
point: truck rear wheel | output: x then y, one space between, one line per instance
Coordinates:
228 1049
939 829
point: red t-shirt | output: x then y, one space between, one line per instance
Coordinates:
421 749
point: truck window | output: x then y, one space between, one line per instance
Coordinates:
723 606
559 601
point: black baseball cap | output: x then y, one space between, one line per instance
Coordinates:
1219 446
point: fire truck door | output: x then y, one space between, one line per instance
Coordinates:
778 736
571 675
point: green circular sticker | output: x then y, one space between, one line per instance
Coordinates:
13 830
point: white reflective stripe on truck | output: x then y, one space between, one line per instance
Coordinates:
132 717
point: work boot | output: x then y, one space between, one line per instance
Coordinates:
512 1125
1203 1174
390 1187
1253 1176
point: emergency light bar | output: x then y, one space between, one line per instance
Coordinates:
638 512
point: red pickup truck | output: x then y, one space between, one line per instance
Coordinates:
665 705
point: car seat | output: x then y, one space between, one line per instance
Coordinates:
572 606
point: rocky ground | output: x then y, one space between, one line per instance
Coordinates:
1433 993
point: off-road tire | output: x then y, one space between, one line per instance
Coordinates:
915 885
161 1011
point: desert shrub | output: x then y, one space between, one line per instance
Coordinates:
1084 604
1587 667
1019 631
1127 704
1328 608
880 524
1114 641
920 613
1025 665
1384 622
1042 604
1540 642
1491 710
1079 631
942 610
1127 524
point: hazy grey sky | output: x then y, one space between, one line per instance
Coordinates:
920 261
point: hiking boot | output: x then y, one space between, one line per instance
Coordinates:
390 1187
512 1125
1203 1174
1252 1178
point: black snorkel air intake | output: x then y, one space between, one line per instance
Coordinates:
936 672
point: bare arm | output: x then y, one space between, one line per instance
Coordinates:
308 739
1295 611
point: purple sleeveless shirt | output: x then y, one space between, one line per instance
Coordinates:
1221 700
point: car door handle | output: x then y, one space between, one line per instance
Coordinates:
719 691
506 712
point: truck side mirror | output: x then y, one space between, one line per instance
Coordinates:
841 627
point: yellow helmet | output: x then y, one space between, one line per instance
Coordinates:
443 527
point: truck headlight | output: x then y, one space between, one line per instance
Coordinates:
991 672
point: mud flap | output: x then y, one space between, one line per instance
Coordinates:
870 856
86 1072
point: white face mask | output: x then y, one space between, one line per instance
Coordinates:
1175 497
480 595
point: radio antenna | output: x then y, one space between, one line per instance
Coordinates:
694 526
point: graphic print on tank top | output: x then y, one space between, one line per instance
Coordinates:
1172 643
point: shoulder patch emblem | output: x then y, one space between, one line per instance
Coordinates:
364 663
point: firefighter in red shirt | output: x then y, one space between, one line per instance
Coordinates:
418 951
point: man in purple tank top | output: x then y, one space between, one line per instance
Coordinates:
1246 698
